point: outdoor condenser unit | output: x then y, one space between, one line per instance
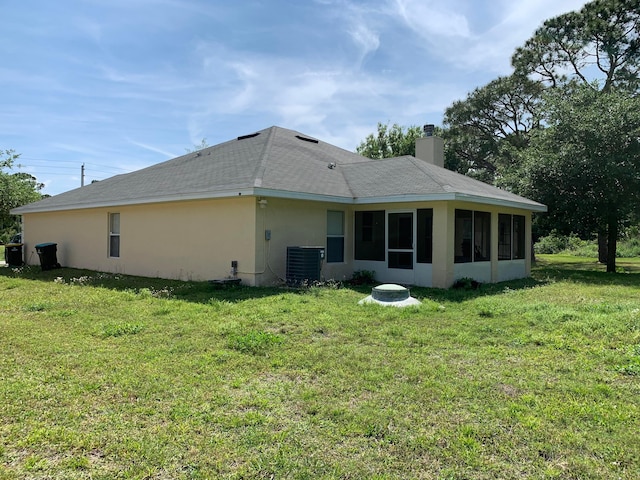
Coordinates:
304 264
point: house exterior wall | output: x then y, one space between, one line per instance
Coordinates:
443 271
423 274
191 240
298 223
198 240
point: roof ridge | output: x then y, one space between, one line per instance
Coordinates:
264 156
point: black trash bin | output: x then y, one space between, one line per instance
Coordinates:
13 254
47 254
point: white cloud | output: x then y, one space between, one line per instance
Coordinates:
365 38
429 19
448 35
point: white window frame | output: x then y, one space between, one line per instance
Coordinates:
335 235
113 234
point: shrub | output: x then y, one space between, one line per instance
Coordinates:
466 283
556 243
628 245
363 277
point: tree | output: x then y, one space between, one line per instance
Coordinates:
601 41
389 142
16 189
585 165
486 130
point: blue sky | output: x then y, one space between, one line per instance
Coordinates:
123 84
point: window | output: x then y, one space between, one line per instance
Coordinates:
335 236
425 235
114 234
511 238
369 236
481 236
518 237
472 236
463 236
504 237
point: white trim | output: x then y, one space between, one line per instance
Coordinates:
265 192
137 201
461 197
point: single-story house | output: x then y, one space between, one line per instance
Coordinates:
234 208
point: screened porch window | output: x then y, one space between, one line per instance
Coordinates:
518 237
504 237
472 236
424 253
511 237
369 236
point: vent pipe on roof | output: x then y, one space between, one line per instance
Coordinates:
428 129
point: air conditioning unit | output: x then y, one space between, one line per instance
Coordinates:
304 264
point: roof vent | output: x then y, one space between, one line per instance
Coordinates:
251 135
306 139
428 130
331 166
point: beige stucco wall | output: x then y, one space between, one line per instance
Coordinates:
182 240
298 223
198 240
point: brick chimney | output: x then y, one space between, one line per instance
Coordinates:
429 148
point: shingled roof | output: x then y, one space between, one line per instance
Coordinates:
278 162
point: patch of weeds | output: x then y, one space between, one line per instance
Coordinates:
218 305
145 293
36 307
119 329
10 285
632 366
254 342
77 463
34 463
431 306
314 286
165 292
83 280
634 320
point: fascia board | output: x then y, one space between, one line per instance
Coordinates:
533 206
265 192
137 201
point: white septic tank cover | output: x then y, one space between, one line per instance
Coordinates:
390 294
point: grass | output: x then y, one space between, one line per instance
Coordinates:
105 376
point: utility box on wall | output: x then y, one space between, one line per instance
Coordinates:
304 264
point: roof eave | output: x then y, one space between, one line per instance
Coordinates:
138 201
292 195
461 197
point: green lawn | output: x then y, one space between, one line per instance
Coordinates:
107 377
